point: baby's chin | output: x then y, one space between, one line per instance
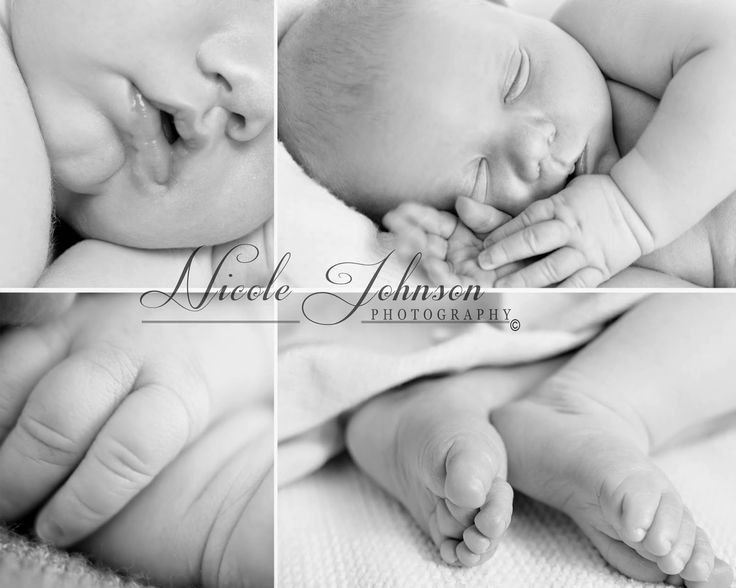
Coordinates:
202 207
158 225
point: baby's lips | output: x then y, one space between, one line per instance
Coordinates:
153 153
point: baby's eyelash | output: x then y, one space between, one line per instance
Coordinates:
519 78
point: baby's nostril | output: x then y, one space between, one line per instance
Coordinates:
222 81
238 122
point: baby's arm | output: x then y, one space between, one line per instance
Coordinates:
98 264
683 53
25 180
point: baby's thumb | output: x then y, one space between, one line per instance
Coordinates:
478 217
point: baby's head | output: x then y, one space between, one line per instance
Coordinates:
157 114
385 101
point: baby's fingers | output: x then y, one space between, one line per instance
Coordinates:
550 270
26 354
63 414
529 242
478 217
536 212
412 215
588 277
149 429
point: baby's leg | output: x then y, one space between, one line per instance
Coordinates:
208 518
581 441
432 447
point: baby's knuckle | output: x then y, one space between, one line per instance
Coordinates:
110 362
45 442
188 409
549 270
123 464
531 239
80 505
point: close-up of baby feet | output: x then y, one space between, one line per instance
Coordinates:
579 455
445 463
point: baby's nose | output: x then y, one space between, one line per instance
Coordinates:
243 73
528 144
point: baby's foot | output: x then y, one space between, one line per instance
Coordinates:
443 461
583 458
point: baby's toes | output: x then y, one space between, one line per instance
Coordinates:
447 525
448 549
674 562
702 559
664 530
464 516
721 577
635 514
470 472
477 542
467 557
495 515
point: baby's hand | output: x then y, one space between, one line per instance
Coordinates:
449 244
586 229
93 405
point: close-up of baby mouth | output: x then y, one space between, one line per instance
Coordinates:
160 137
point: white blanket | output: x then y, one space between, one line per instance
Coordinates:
327 371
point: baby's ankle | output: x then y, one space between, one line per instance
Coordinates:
584 410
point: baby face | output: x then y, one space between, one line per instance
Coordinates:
157 114
484 102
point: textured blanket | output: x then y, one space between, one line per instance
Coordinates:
338 529
322 374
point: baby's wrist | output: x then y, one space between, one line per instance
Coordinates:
635 224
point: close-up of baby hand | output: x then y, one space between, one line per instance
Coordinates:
93 405
449 244
584 232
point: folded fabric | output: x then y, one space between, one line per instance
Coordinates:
320 231
320 380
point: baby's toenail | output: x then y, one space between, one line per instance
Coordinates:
677 564
702 569
638 535
496 527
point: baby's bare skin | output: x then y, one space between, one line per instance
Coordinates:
25 179
619 498
208 518
97 408
705 254
437 453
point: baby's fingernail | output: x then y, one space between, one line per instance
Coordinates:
48 531
487 242
485 261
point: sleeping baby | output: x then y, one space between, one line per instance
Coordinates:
390 102
510 116
154 118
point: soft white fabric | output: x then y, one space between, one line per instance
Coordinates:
319 231
327 371
337 528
